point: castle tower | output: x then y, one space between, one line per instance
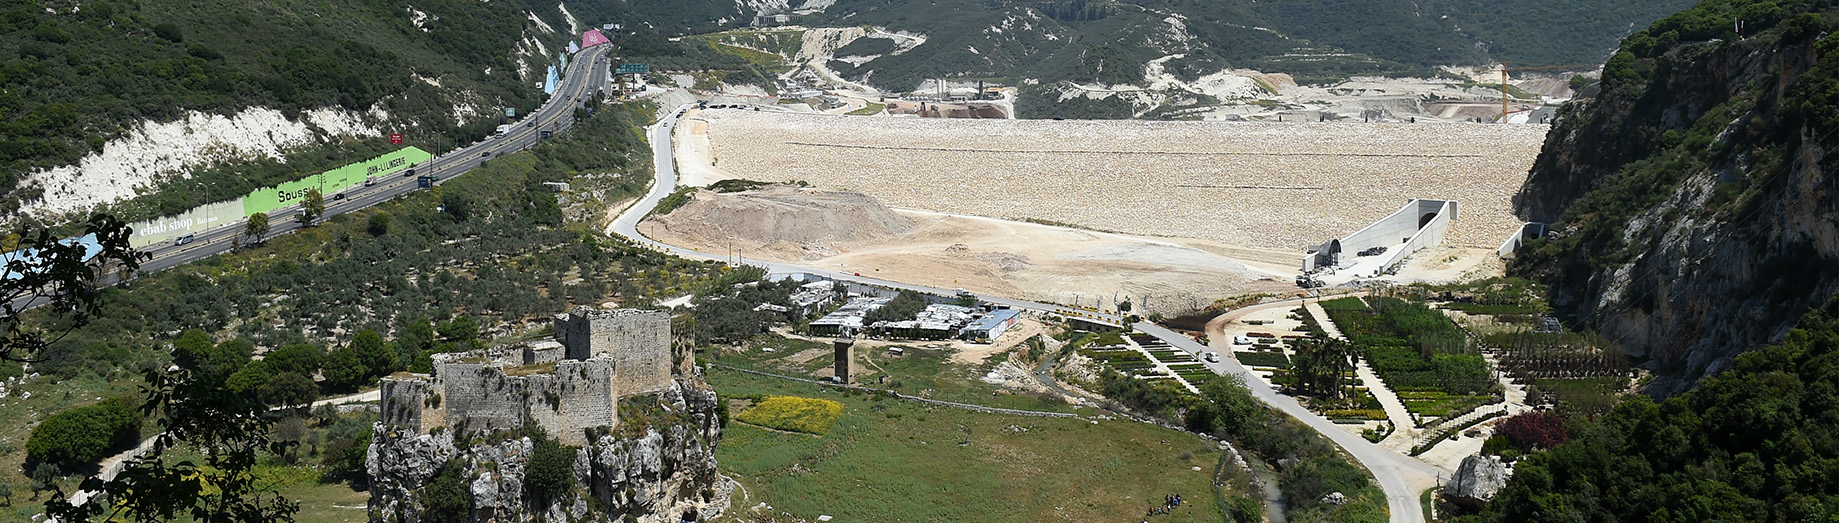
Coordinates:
637 343
843 350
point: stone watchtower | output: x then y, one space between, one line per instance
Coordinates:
637 343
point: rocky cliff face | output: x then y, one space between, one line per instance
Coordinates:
1692 201
659 466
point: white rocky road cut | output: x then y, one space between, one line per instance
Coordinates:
133 164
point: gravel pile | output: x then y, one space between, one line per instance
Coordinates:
1270 185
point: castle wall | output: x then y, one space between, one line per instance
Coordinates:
543 352
598 357
480 396
403 402
578 395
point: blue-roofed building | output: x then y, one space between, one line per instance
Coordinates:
990 326
28 258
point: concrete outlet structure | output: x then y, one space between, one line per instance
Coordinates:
565 386
1419 224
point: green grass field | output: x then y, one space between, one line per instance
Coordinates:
893 460
328 503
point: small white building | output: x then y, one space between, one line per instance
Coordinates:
991 326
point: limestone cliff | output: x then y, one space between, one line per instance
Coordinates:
657 466
1692 200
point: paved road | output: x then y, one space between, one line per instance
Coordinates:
1401 478
588 71
626 225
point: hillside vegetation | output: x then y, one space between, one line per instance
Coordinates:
81 74
1756 443
78 74
1693 216
1111 41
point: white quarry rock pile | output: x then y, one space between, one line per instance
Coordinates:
808 220
1477 480
1255 184
133 164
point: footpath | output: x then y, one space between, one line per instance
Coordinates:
1395 409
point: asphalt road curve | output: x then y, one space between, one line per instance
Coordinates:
626 225
587 70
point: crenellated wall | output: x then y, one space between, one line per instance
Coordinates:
620 353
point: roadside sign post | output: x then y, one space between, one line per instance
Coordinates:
395 139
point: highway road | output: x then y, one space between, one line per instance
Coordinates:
1401 477
588 71
665 181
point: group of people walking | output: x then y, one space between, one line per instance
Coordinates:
1169 502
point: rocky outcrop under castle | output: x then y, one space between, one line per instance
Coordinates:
657 470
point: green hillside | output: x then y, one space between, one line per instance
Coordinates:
77 74
1109 41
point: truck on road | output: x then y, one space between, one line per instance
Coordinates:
502 129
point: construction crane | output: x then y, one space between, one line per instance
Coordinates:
1504 70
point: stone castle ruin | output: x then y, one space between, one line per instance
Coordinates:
567 386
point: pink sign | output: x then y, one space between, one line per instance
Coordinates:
592 38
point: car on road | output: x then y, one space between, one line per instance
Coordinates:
486 154
531 124
182 240
1211 357
370 180
408 172
337 197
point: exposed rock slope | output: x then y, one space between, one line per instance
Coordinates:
1693 200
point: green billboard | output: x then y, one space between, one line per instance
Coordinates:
329 182
196 220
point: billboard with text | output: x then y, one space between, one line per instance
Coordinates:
329 182
197 220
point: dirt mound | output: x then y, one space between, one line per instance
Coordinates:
785 218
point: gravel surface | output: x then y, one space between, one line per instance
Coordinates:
1268 185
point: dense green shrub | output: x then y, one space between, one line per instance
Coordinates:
448 498
1755 443
552 467
82 436
344 455
299 358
